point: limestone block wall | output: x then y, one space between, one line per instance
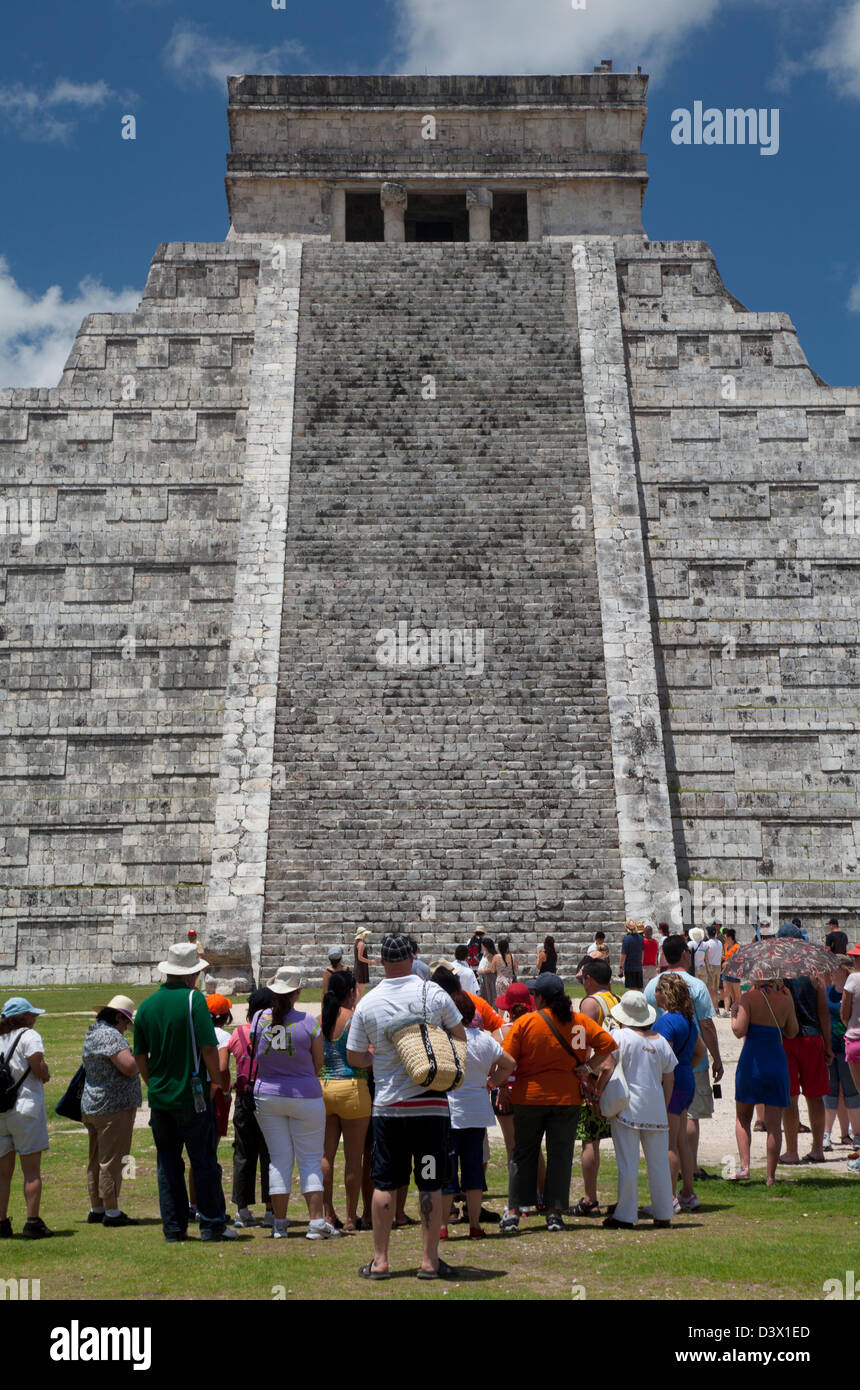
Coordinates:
116 620
749 464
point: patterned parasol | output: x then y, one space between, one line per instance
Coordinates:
779 959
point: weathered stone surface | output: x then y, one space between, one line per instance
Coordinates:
581 447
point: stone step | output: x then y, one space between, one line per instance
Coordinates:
399 784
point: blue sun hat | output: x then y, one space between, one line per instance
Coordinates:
19 1005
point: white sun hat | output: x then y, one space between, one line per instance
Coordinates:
286 980
634 1010
182 959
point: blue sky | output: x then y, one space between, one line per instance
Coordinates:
83 210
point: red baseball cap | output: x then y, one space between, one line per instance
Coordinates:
515 994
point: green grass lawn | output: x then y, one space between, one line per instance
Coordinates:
748 1242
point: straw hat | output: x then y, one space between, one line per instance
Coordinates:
634 1010
122 1004
362 931
286 980
182 959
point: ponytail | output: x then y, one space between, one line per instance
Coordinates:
340 986
281 1007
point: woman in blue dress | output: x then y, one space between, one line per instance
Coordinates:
764 1016
678 1026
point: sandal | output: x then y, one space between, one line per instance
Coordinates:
442 1271
789 1162
810 1158
368 1272
742 1175
759 1128
407 1221
585 1208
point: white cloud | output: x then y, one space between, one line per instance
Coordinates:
39 115
839 55
194 56
544 36
36 334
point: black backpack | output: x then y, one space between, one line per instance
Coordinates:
9 1088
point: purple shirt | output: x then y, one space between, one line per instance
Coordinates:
284 1064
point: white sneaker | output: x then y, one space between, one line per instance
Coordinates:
279 1232
228 1233
649 1211
321 1230
826 1144
244 1218
688 1203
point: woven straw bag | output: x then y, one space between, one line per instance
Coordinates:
429 1055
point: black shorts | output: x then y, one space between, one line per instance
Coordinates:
413 1143
634 979
466 1161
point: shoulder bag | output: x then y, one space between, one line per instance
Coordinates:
428 1054
69 1104
245 1101
615 1095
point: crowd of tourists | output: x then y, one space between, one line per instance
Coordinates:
638 1068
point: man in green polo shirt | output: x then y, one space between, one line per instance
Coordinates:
176 1052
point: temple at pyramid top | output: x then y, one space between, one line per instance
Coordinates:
475 158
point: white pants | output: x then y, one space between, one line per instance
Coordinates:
293 1130
655 1145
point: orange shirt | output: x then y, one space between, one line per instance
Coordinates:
489 1018
731 949
545 1072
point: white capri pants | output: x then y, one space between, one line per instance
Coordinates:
655 1145
293 1129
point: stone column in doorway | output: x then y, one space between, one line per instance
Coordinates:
479 201
338 214
394 198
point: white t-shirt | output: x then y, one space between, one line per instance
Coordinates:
714 952
31 1094
374 1012
700 956
466 975
852 989
646 1060
222 1037
470 1104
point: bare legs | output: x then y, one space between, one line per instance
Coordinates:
773 1124
354 1133
330 1143
815 1107
680 1158
590 1160
31 1169
7 1169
